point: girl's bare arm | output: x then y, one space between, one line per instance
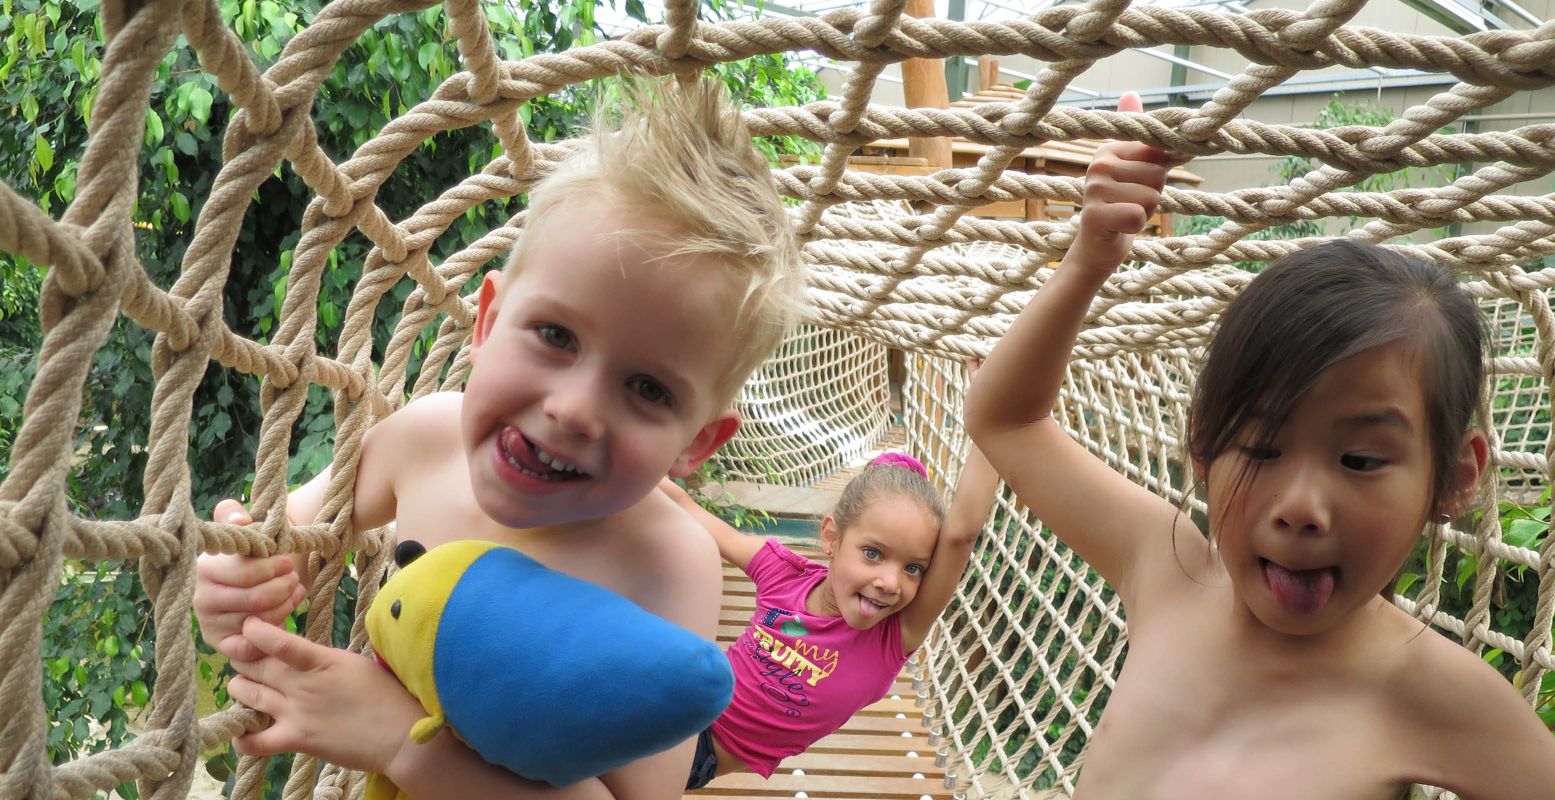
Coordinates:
957 536
1114 524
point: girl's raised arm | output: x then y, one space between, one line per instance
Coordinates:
957 535
1115 525
736 548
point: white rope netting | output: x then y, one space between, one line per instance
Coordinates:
1031 644
817 405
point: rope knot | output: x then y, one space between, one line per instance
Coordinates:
17 541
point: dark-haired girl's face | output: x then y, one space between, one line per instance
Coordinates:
1312 524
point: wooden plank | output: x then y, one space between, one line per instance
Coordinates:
745 783
834 764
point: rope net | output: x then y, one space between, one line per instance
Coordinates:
1028 650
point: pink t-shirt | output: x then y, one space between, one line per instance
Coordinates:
797 676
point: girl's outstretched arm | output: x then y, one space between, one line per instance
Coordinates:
1109 521
736 548
957 535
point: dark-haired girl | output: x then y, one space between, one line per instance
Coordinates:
1330 424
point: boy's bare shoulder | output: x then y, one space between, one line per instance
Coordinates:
403 447
672 540
670 563
431 420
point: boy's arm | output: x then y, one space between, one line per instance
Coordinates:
231 588
1009 410
957 535
345 709
735 547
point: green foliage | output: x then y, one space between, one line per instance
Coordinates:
1513 597
95 659
714 473
97 639
1336 114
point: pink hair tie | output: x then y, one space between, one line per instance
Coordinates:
895 459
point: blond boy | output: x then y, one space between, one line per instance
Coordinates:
656 270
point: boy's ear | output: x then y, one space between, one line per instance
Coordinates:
707 441
1467 469
486 310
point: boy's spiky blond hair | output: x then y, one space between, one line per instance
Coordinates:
681 152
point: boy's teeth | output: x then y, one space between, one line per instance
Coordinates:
553 462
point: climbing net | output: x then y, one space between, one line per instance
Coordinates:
1032 643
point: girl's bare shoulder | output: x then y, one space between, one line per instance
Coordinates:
1458 720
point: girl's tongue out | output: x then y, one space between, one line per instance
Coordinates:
1303 591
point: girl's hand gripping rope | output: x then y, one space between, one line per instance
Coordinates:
1122 189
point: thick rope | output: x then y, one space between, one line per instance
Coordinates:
1033 640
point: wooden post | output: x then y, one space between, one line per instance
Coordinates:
987 72
923 82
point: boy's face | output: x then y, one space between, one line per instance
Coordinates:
594 370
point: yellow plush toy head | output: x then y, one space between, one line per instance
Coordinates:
402 622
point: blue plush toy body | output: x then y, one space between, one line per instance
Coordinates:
551 677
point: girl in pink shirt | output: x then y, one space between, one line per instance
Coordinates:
827 640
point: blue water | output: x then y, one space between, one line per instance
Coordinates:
799 527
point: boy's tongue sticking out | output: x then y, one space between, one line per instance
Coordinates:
1302 591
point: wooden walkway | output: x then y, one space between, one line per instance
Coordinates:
883 753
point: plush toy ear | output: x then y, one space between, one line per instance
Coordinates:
408 551
426 728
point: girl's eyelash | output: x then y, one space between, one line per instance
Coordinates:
1373 462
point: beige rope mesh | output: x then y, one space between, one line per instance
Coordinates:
1033 640
818 404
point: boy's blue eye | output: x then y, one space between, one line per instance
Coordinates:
1360 463
651 391
871 553
556 336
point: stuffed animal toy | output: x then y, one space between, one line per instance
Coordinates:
551 677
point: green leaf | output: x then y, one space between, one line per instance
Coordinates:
139 694
42 153
186 143
154 129
180 206
1526 532
427 53
200 104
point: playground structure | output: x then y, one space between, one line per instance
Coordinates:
1022 662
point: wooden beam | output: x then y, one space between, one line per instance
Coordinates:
923 82
987 71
